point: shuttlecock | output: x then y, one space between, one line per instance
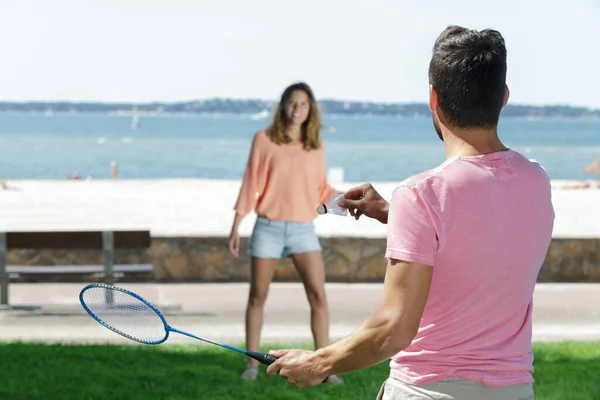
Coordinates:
332 207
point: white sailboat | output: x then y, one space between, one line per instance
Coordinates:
134 119
260 115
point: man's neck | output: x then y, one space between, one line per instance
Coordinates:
467 143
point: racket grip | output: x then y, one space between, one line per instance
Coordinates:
267 359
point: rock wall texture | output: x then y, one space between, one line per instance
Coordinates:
207 259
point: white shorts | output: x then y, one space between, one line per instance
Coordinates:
453 389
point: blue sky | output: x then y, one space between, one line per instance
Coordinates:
376 50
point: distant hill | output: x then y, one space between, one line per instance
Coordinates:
253 106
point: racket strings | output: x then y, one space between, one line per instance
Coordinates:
125 314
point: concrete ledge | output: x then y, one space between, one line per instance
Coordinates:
347 259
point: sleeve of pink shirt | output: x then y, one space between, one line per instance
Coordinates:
251 182
411 236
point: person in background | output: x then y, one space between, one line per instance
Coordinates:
465 243
114 169
284 181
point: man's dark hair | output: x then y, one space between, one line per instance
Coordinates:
468 72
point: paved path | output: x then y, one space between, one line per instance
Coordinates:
216 311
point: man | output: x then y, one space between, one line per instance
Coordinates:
465 244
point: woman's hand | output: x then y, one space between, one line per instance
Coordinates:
234 243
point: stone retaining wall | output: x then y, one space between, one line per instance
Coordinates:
207 259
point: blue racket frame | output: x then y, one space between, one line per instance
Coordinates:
266 359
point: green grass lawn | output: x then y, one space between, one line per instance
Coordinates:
173 372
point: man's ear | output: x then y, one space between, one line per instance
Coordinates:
506 96
433 99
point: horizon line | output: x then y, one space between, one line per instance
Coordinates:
140 103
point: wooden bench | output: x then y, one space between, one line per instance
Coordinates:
106 241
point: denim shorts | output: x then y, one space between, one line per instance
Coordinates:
271 239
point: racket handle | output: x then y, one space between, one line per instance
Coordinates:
267 359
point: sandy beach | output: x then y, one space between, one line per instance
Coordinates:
197 207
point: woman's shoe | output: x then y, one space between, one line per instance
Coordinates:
335 380
250 374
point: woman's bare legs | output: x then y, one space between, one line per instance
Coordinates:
310 268
261 275
312 272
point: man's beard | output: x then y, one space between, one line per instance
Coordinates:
436 125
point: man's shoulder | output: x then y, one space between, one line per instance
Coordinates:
435 183
427 178
455 173
423 187
534 165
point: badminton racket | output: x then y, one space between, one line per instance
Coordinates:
133 317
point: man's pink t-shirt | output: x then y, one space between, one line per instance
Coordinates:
484 223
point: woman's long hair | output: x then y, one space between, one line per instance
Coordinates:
311 128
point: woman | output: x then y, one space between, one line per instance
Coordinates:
285 179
